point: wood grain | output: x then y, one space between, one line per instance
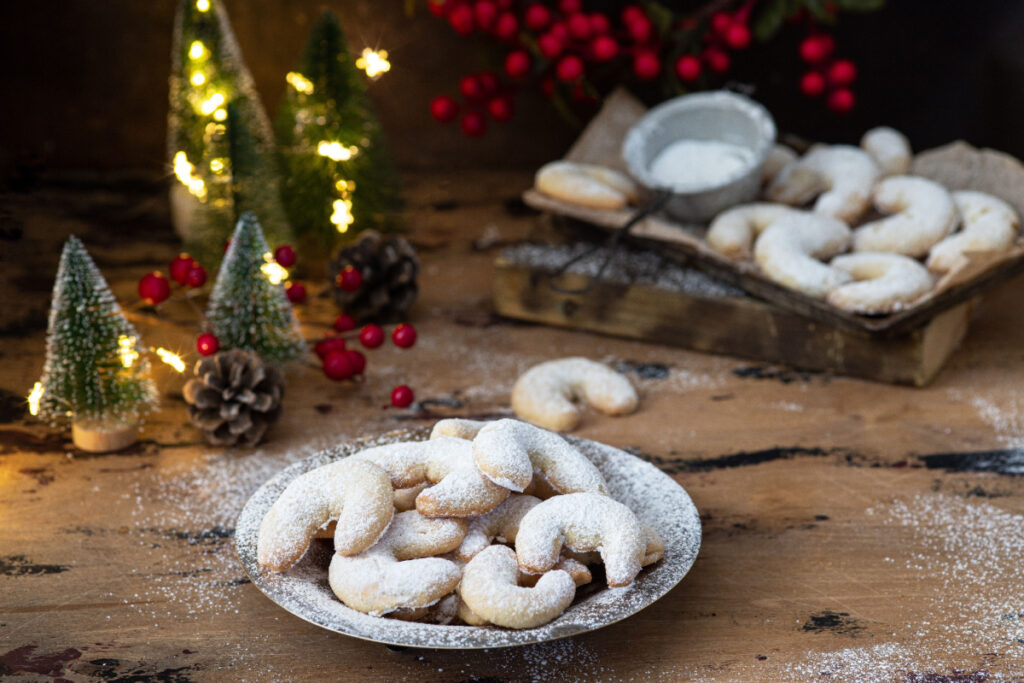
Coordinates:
852 530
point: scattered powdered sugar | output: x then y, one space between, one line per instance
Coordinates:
700 163
657 500
625 266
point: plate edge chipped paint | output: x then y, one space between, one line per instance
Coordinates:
657 581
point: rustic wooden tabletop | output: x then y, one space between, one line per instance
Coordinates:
852 530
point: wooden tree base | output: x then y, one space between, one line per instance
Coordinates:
96 437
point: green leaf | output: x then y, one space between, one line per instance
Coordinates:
769 18
821 11
661 17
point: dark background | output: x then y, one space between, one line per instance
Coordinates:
84 82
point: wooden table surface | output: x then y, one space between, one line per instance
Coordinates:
852 531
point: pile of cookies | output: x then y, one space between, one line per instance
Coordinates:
420 527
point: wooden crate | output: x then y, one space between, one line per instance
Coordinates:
728 323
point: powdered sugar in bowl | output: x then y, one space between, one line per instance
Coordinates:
706 149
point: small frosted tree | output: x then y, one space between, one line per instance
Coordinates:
95 371
339 176
248 309
219 139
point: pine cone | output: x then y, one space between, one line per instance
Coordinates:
389 267
234 397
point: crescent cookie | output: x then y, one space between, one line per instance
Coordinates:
501 523
732 232
779 156
989 224
400 570
358 494
788 252
883 283
889 148
509 451
922 211
546 393
583 522
654 550
590 185
843 175
490 588
458 490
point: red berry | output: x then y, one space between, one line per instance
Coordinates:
720 22
688 68
473 124
501 108
631 13
737 36
371 336
471 87
570 6
558 30
207 344
842 72
404 335
485 12
444 108
646 65
517 64
180 266
604 48
488 83
507 27
816 48
461 20
285 256
337 366
350 279
537 17
439 8
357 360
578 26
296 292
640 30
812 84
328 345
196 276
344 323
154 288
841 100
599 23
569 69
401 396
717 60
550 45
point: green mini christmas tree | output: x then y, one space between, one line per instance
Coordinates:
95 370
248 308
219 139
339 177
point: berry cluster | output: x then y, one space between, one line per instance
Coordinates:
154 288
828 76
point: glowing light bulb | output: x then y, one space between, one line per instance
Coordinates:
342 216
274 271
183 171
215 100
374 62
34 397
196 50
299 82
126 350
216 165
203 5
198 78
172 359
220 114
335 151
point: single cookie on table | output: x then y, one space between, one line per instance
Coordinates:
583 522
357 494
510 452
589 185
546 394
987 224
400 571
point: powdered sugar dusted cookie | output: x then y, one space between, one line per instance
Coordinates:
842 174
788 252
357 494
583 522
988 224
545 394
508 452
883 283
922 211
889 148
590 185
501 523
399 571
490 588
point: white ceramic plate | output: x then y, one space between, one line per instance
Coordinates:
654 496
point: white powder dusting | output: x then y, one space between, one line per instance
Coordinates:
700 163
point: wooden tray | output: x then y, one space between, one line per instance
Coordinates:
956 166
